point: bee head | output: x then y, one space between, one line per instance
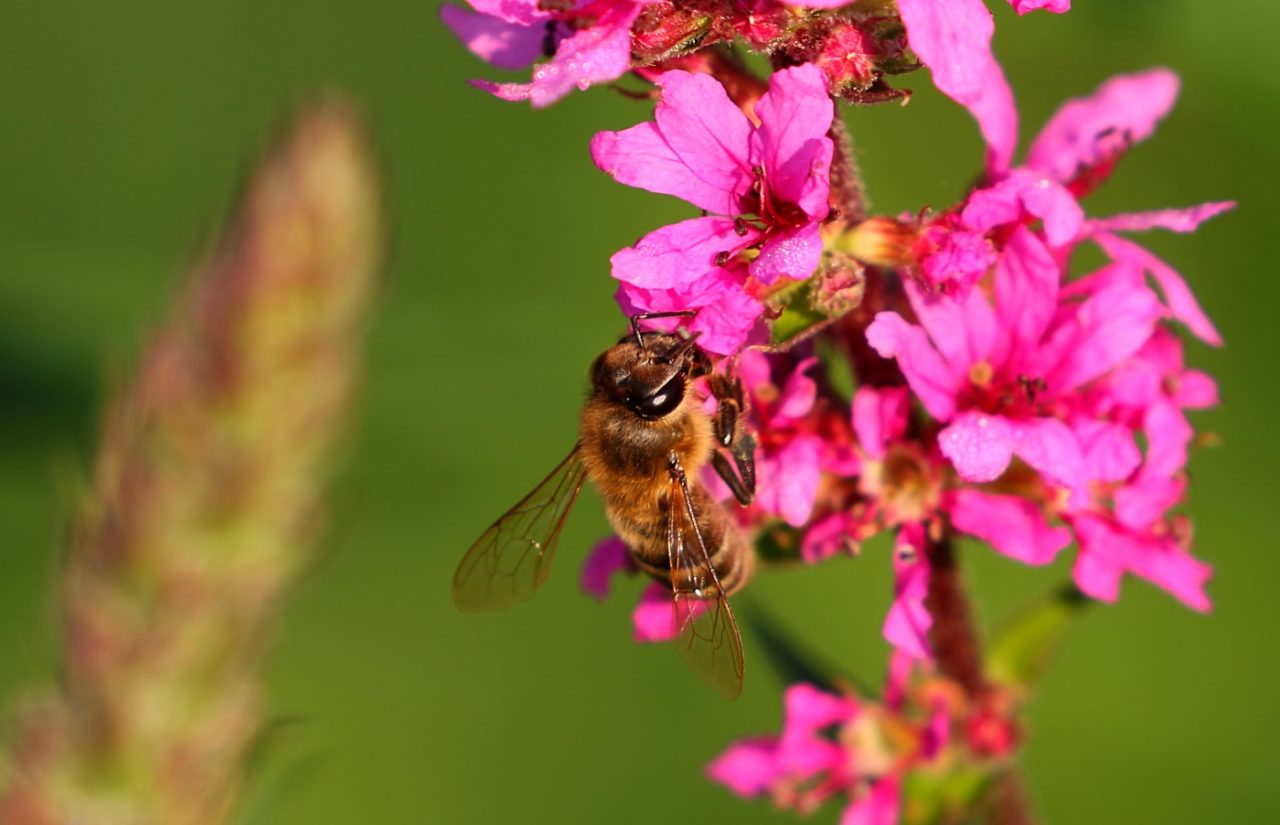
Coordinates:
649 373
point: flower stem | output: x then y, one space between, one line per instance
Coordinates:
848 191
959 655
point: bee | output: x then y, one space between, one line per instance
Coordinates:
644 439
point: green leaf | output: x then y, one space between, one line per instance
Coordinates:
798 319
1024 647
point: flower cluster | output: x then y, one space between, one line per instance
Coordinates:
998 391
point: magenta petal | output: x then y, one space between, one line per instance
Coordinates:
1140 505
1014 526
726 317
1168 434
1051 448
808 709
789 480
907 625
1181 301
1174 220
654 619
510 92
878 805
1195 390
748 768
962 328
1128 105
522 12
929 376
596 54
710 135
1096 572
979 445
505 45
1027 279
879 417
1175 571
1110 453
1055 6
798 394
1111 325
641 157
793 254
608 557
791 142
677 255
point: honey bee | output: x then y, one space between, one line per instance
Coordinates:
644 438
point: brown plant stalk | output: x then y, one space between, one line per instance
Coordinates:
205 502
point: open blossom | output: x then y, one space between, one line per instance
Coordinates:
588 42
765 185
865 750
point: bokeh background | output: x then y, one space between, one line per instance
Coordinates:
125 129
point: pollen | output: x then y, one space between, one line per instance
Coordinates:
981 373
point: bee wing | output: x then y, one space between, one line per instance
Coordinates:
708 641
511 560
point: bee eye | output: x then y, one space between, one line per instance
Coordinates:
664 400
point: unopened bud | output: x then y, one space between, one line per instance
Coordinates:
879 242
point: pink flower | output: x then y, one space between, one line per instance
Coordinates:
861 749
998 374
1055 6
765 184
589 43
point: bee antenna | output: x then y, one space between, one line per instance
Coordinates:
645 316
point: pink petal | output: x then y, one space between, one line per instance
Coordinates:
1051 448
726 316
510 92
953 38
1181 301
597 54
748 768
1174 220
654 619
879 805
808 710
798 394
1141 505
505 45
962 328
793 253
677 255
791 142
1168 434
1195 390
1110 326
1110 453
1013 526
696 149
879 417
960 259
980 446
907 625
1127 105
929 376
1055 6
825 537
1100 565
788 480
522 12
1027 279
1175 571
608 557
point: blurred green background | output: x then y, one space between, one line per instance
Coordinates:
126 127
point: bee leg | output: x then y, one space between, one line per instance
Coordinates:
730 436
736 485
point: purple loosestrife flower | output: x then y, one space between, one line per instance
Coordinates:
862 749
765 185
1030 373
588 42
